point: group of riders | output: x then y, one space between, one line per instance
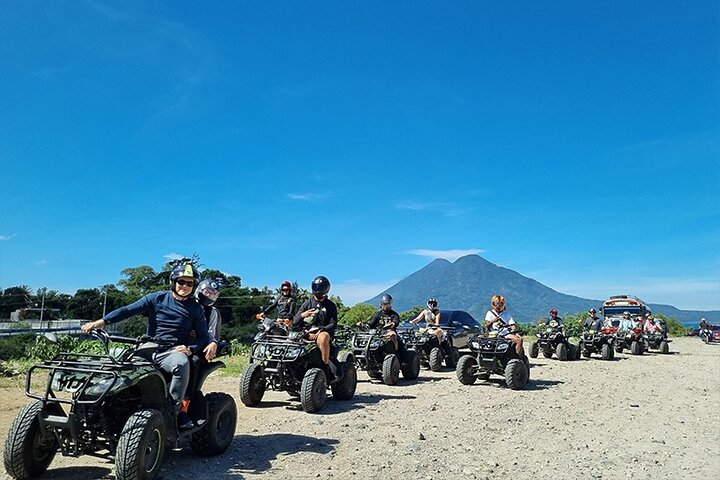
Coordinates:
187 314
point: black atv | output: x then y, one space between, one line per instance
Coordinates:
490 355
553 341
115 406
375 353
293 364
633 340
431 352
601 343
657 341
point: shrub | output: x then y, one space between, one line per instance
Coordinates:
15 346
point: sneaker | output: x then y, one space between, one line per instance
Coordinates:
184 421
329 375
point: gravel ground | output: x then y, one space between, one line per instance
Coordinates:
654 416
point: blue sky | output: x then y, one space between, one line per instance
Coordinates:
578 144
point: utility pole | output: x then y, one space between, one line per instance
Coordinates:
42 308
105 302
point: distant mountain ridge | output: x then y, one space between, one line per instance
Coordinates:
469 282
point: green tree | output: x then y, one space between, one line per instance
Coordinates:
142 280
359 313
672 326
14 298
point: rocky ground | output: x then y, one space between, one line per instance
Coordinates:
654 416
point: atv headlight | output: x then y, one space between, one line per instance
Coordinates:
293 352
99 387
475 345
375 343
502 347
260 351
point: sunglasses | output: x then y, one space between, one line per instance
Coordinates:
185 283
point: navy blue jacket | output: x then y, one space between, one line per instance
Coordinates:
167 317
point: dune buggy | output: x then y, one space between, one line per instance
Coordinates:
115 406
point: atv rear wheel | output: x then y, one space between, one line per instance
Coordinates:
219 430
141 447
436 358
664 347
534 350
313 390
561 351
391 369
607 352
28 450
411 367
516 374
345 388
465 369
252 385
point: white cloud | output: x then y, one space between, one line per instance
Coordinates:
450 255
355 291
8 237
306 197
173 256
40 263
446 209
414 206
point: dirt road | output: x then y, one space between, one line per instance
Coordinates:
653 416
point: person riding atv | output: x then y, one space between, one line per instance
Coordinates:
655 336
116 405
284 304
388 319
553 340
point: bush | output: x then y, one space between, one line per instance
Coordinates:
672 326
15 346
135 326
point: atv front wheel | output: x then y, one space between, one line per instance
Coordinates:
28 450
252 385
636 348
313 391
516 374
345 388
618 349
547 352
561 351
141 447
451 361
219 430
534 350
436 358
586 353
607 352
664 347
391 369
465 369
411 367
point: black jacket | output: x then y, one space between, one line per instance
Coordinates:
382 318
325 318
285 307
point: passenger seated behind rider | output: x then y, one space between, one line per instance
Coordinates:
431 315
285 304
498 319
593 322
172 313
386 318
319 311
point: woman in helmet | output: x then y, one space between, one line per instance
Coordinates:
172 313
498 319
318 316
386 318
207 294
431 316
285 304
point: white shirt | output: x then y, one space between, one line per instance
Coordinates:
504 315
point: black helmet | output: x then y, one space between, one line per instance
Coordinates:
386 299
433 301
321 285
208 292
592 311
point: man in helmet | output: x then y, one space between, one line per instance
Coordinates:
626 323
173 314
285 304
593 322
386 318
318 315
554 318
498 319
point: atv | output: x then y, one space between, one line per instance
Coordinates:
115 406
601 343
657 341
432 353
553 341
375 353
632 340
293 364
490 354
